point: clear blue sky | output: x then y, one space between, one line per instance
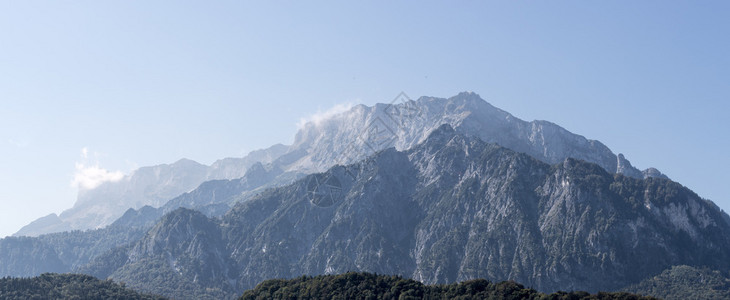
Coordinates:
141 83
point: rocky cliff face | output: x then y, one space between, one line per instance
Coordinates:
182 256
450 209
353 135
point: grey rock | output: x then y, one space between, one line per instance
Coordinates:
454 208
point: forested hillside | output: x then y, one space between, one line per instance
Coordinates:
685 282
66 286
371 286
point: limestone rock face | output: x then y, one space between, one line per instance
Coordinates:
455 208
448 209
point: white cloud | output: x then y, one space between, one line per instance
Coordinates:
322 115
22 143
90 175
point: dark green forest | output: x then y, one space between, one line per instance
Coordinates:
679 282
685 282
66 286
355 285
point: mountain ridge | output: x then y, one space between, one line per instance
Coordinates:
145 186
455 208
342 138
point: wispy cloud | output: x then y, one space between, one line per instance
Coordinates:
317 117
22 143
90 175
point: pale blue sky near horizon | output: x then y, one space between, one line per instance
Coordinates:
140 83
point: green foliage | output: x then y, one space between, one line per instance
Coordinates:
685 282
66 286
355 285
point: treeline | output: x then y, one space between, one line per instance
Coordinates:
355 285
66 286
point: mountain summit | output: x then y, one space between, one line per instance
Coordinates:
352 135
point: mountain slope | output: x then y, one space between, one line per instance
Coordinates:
102 205
343 138
64 251
353 135
455 208
147 186
361 131
185 247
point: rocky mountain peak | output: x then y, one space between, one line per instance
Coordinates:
174 233
441 134
623 166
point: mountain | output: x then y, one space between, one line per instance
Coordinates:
66 286
343 138
234 167
181 256
215 197
146 186
353 135
63 252
391 197
369 286
361 131
455 208
48 224
450 209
